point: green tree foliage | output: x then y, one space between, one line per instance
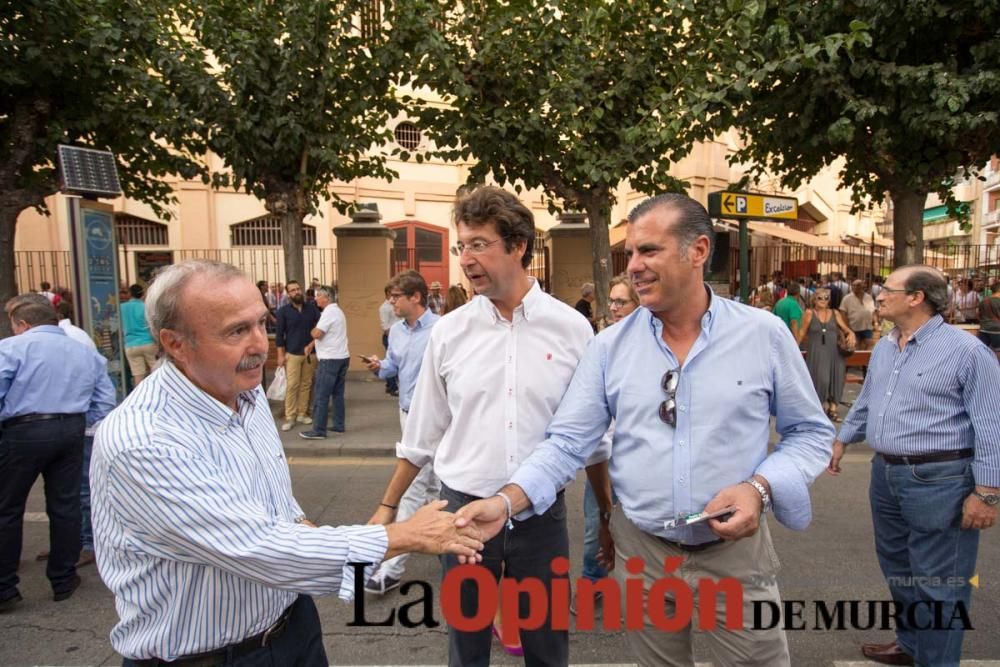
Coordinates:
908 92
577 96
102 73
301 95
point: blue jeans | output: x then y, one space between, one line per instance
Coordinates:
923 551
330 378
86 528
591 524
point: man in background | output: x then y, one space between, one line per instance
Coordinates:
387 318
293 338
330 341
51 389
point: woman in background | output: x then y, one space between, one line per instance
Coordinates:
455 298
826 366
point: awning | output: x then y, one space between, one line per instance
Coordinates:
862 241
795 236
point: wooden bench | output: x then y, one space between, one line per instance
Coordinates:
859 359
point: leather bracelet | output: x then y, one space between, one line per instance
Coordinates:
392 507
510 509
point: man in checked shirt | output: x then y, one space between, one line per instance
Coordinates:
930 408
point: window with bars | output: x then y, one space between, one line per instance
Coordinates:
371 19
408 135
133 231
265 231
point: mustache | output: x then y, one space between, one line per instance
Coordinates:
251 361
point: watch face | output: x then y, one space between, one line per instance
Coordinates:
989 498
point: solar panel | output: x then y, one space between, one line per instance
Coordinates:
85 171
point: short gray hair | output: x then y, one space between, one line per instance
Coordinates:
163 296
26 298
587 289
692 219
930 281
327 291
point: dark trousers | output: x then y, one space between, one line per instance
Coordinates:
300 645
331 376
524 552
54 450
391 383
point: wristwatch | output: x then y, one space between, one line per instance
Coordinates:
765 497
990 499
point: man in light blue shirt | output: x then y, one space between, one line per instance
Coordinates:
407 342
51 389
692 381
930 408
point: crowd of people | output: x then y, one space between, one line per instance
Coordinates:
503 398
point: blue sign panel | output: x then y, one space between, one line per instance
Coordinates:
99 286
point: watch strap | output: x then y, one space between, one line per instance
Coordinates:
765 497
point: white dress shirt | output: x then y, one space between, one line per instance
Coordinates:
333 344
387 316
77 334
194 522
488 388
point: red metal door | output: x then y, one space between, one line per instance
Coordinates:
422 247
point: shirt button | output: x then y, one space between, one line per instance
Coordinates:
680 442
681 408
888 393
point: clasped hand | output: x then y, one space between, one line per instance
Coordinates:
433 531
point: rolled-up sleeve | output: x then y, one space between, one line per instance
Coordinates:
981 395
806 435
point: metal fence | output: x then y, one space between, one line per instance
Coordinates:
539 267
31 267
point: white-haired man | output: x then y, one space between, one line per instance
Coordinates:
198 535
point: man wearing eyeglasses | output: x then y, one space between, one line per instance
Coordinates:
930 408
403 357
491 379
691 380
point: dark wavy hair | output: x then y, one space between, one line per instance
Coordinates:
513 220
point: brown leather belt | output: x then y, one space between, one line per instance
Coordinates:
226 654
933 457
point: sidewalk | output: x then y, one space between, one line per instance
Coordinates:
372 424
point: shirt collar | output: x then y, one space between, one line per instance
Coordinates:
925 330
531 305
707 320
198 402
45 328
422 321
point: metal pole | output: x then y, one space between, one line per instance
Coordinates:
744 262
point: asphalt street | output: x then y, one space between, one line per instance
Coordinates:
833 560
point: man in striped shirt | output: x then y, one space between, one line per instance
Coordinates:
197 533
930 408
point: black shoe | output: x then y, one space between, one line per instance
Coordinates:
312 435
68 593
11 602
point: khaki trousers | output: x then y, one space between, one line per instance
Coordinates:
300 370
141 359
752 560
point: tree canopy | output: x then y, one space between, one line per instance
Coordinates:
576 97
107 74
301 94
907 92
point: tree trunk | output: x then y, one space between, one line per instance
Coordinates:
8 284
908 227
598 207
291 232
284 204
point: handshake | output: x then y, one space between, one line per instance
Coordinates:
430 530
